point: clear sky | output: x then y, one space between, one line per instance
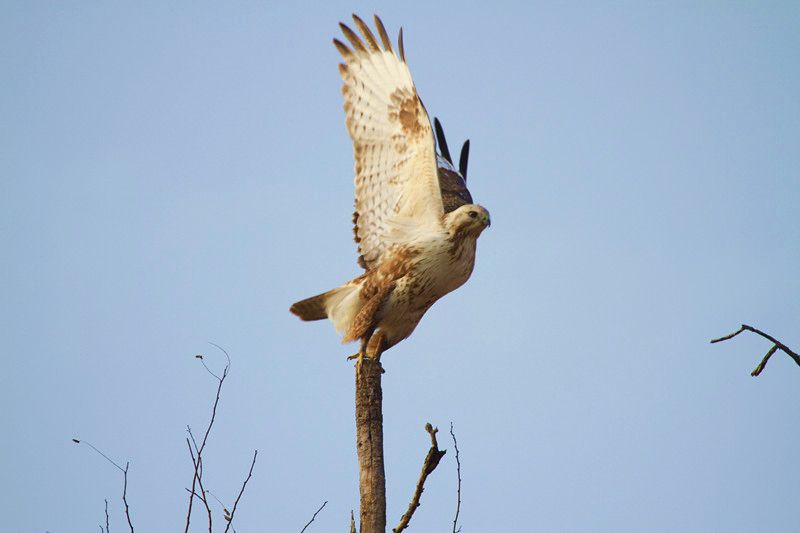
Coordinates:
179 172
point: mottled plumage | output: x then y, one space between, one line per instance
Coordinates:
414 221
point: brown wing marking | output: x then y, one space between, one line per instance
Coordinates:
365 320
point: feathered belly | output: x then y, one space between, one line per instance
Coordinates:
440 269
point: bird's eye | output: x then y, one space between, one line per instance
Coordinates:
473 214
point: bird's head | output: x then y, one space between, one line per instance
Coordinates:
469 218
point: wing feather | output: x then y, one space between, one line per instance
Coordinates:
367 33
396 183
387 43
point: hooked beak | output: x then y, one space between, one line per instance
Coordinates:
487 221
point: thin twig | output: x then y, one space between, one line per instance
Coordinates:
226 513
757 370
197 479
124 477
197 453
108 530
458 471
236 503
107 458
213 410
223 350
192 493
352 522
429 465
125 497
313 517
777 345
203 361
209 493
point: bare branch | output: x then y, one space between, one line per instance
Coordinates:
728 336
429 465
223 350
108 529
352 522
777 345
124 476
313 517
458 471
226 513
213 411
125 497
197 480
107 458
757 370
197 453
203 361
203 492
192 493
229 518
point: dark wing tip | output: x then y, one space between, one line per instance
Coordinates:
346 52
400 45
442 140
367 33
387 43
352 37
464 160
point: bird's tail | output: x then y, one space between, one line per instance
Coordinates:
311 308
340 305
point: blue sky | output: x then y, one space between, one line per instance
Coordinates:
177 173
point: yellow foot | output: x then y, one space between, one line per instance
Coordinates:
354 356
360 356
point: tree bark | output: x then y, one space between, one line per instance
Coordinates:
369 442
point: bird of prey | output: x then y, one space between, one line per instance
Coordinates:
415 223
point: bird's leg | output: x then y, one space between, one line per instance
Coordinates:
362 351
372 347
376 345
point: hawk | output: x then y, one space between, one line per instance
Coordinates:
415 223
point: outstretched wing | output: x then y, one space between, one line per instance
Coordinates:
397 188
452 182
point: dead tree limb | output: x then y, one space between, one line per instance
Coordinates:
124 477
196 455
229 517
777 345
108 529
429 465
198 479
125 496
369 444
321 507
458 472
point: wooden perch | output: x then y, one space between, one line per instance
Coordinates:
369 444
429 465
777 345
